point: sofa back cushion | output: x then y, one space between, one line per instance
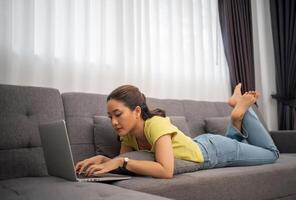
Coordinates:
217 125
180 122
107 142
22 109
80 108
197 111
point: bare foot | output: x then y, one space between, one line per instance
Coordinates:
236 95
242 105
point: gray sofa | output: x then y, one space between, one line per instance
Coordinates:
23 173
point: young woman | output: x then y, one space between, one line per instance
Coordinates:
246 142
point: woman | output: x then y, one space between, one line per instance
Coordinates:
246 142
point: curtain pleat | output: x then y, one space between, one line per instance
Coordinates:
236 26
283 18
168 48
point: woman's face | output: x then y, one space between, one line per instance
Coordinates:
123 119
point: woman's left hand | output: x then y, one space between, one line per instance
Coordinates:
97 169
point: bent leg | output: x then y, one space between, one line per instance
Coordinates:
253 155
233 133
256 132
253 132
220 151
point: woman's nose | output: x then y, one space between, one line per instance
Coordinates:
114 122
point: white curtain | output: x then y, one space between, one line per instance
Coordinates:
264 61
168 48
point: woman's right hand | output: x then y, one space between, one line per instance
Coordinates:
83 165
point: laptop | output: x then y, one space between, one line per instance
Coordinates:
58 155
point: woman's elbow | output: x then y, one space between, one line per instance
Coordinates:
167 175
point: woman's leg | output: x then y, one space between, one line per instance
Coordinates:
222 151
256 133
240 104
246 126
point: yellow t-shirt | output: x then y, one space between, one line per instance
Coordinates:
183 146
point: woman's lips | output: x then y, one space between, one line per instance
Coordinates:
118 129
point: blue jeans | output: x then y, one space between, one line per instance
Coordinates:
251 146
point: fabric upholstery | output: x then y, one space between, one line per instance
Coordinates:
197 111
180 123
79 111
180 166
216 125
106 140
171 106
272 181
285 140
22 109
49 188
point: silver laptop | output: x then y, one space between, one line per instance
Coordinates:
58 155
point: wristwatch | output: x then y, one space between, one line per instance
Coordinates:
125 161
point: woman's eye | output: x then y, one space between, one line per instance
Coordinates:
118 115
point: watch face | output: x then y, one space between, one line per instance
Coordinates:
125 162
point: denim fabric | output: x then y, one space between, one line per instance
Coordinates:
251 146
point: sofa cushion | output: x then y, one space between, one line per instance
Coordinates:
180 123
22 109
272 181
79 111
180 166
49 188
197 111
106 139
216 125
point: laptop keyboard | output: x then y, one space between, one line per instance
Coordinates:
82 176
103 177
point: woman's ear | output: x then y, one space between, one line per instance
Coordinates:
138 111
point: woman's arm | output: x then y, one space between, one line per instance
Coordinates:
162 168
164 165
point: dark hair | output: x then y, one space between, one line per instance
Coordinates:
132 97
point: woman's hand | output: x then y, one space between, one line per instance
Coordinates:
97 169
83 165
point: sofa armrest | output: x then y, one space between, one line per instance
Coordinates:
285 140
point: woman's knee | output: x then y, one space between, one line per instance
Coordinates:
276 155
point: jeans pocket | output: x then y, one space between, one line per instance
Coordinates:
226 150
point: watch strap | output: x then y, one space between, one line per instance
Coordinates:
125 161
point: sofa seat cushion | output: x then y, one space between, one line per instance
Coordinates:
56 188
254 182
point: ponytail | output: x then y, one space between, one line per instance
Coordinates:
146 113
